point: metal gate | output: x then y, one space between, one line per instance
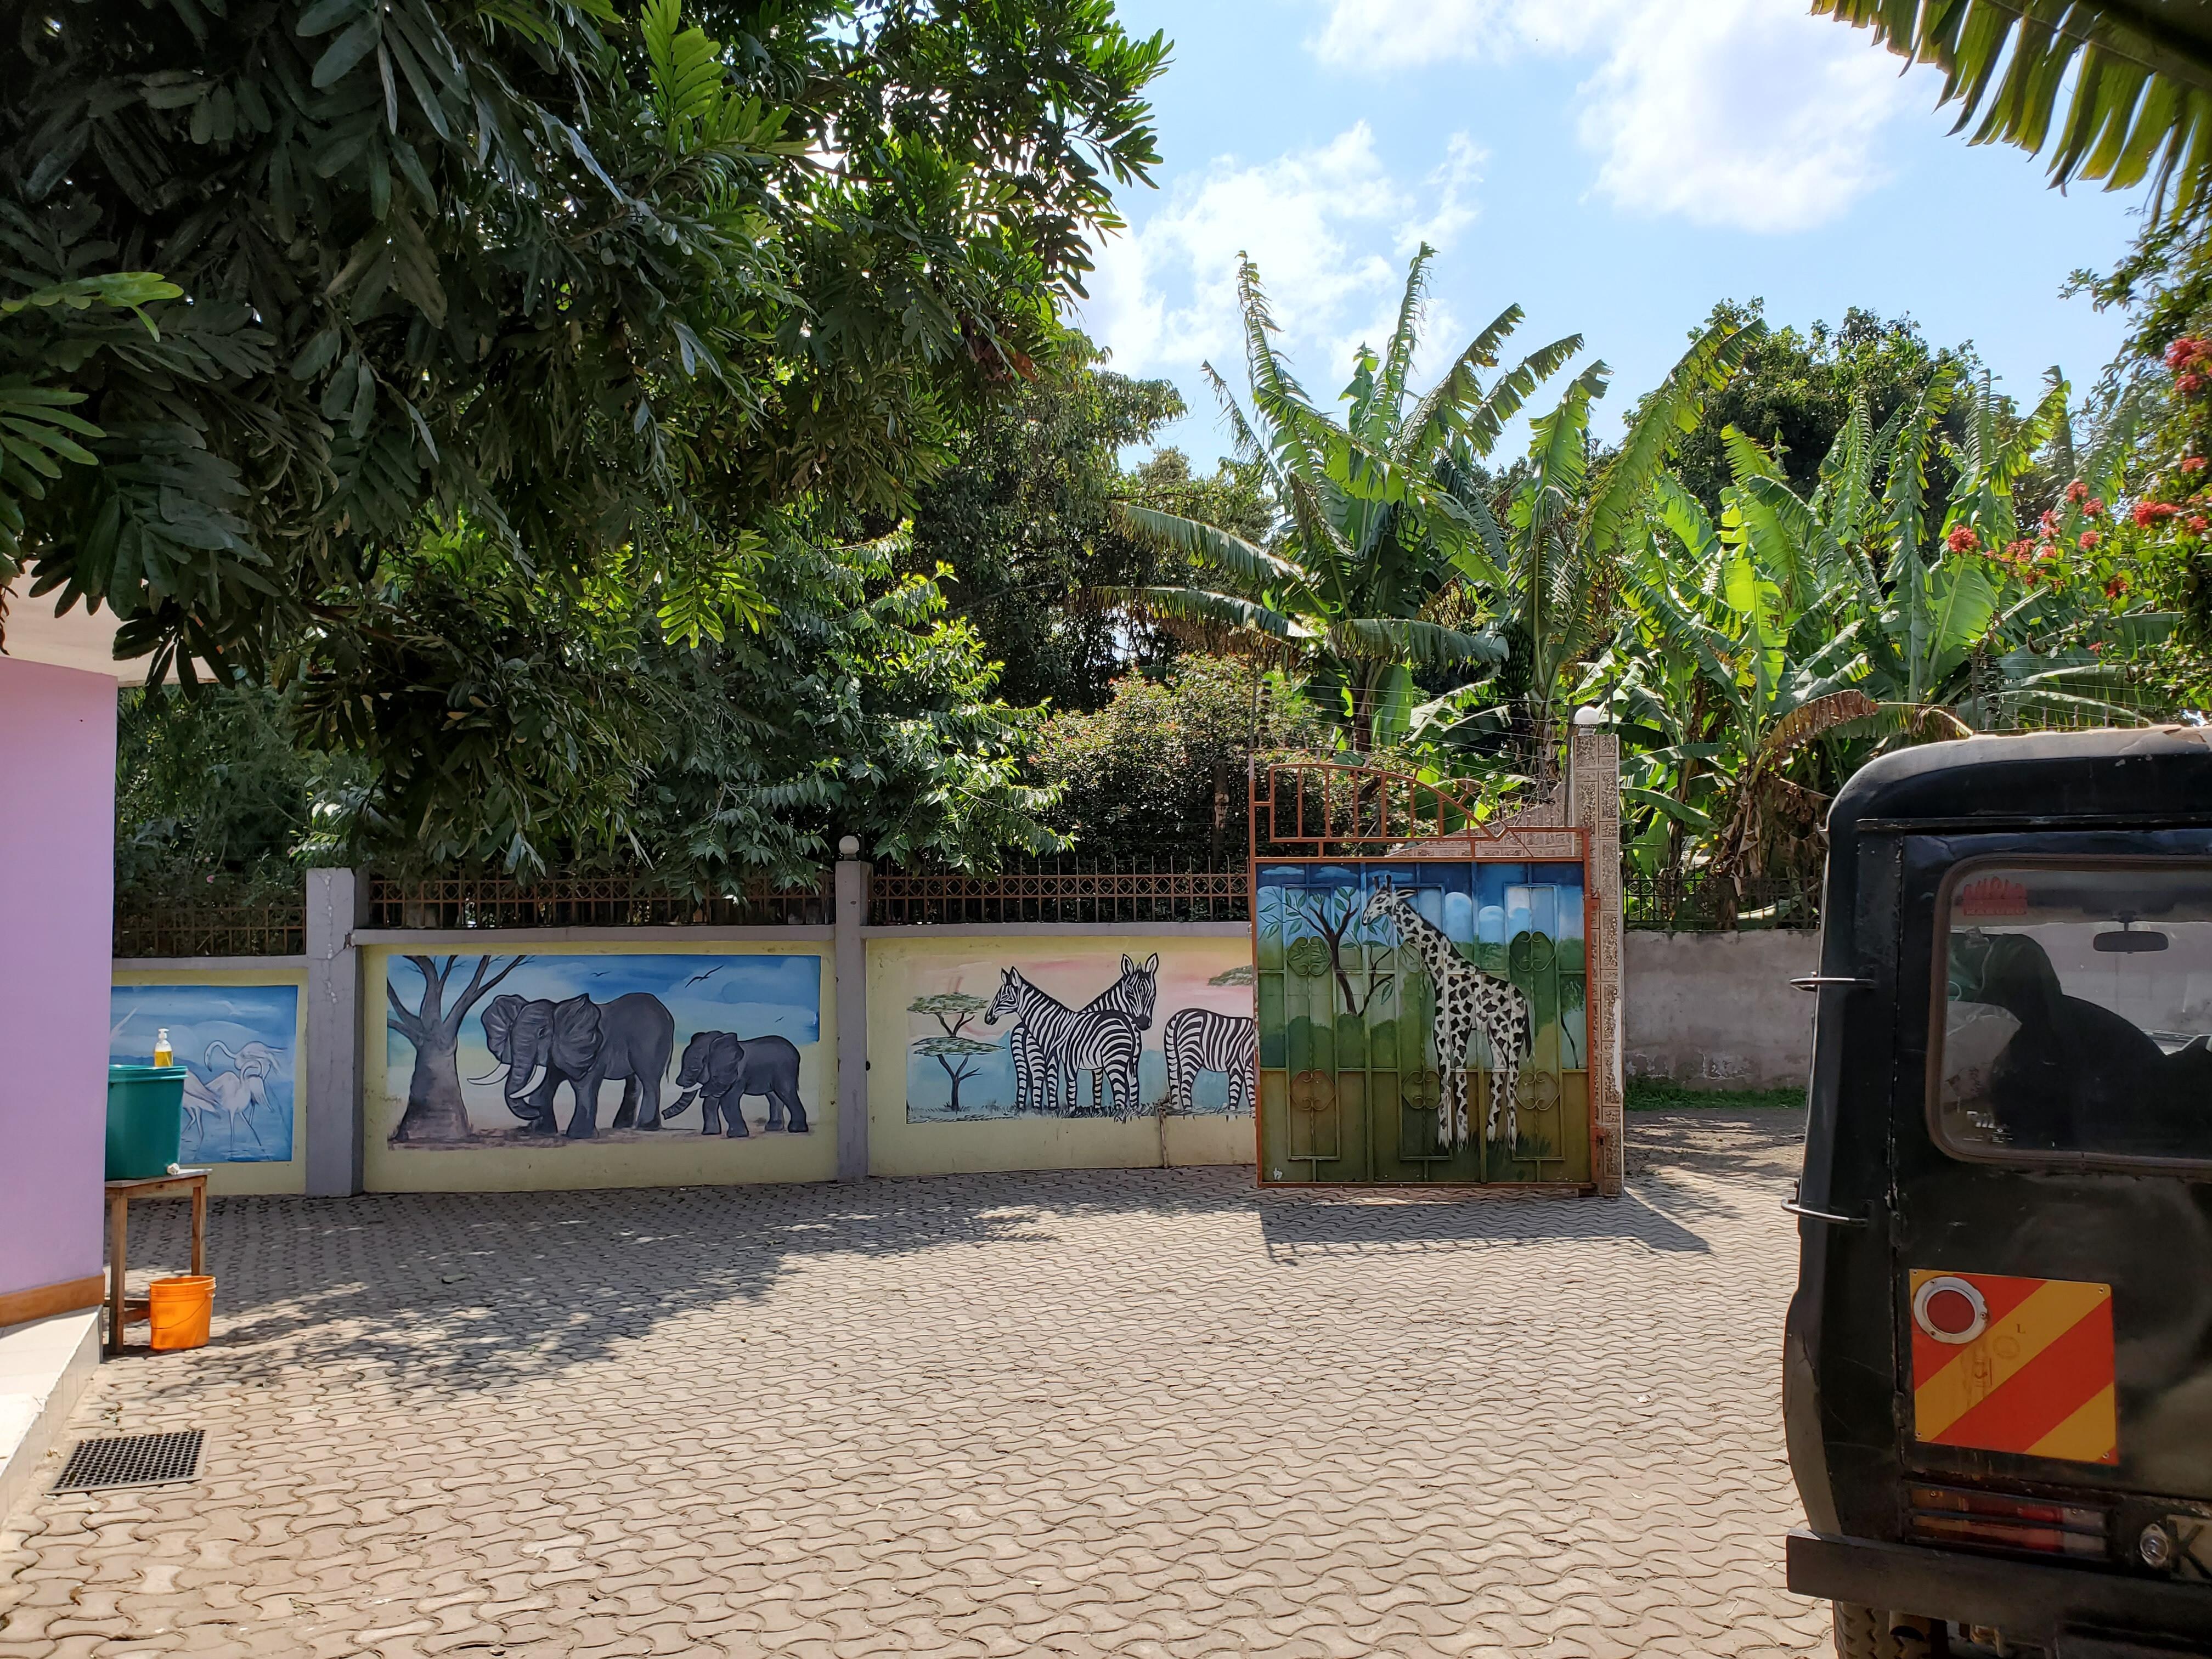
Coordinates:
1455 955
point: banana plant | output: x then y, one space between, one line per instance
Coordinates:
1370 530
1554 547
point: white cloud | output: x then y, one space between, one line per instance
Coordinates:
1741 113
1390 34
1747 113
1315 222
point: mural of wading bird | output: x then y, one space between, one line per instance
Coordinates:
1051 1039
237 1082
1468 1001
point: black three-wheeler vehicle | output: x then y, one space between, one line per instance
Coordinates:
1998 1373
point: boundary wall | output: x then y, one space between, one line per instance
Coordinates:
427 1061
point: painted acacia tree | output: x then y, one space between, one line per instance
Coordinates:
435 1110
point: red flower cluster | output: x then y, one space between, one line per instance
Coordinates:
2192 465
2077 492
2147 514
2094 506
2089 539
2114 588
2197 524
2189 351
1962 539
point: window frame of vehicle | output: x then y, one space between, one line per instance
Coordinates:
1946 892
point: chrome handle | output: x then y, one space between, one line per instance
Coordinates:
1814 981
1791 1205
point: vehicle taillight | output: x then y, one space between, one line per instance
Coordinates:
2003 1521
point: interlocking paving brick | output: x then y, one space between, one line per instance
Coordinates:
1134 1413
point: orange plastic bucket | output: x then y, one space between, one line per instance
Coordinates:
179 1310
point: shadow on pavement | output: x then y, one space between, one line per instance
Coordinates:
471 1291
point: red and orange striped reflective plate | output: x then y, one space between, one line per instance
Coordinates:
2014 1365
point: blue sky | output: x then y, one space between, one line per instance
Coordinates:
1613 165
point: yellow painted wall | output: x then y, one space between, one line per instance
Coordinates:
673 1157
240 1179
1074 967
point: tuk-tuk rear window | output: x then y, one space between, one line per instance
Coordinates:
2076 1024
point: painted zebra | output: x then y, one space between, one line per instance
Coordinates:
1051 1040
1134 994
1199 1040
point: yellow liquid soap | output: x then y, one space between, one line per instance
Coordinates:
163 1054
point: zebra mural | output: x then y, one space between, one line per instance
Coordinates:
961 1068
1199 1040
1104 1037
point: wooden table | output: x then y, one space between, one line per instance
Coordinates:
191 1184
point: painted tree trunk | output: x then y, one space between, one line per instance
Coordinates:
435 1111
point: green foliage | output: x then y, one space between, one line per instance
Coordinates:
601 290
1366 530
1159 772
1795 390
1023 519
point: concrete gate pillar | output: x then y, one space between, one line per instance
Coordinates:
1594 805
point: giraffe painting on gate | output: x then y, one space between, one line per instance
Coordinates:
1468 1001
1422 1019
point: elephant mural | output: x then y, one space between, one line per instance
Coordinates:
543 1044
721 1069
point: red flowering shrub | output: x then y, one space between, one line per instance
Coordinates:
2089 539
2114 588
2192 465
2093 506
2147 514
2077 492
1962 539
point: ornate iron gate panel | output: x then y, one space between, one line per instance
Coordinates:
1422 1012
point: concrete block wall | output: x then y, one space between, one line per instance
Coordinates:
1716 1010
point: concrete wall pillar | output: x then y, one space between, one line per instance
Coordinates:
852 969
337 903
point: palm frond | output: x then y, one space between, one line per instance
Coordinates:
2142 98
1260 570
1667 413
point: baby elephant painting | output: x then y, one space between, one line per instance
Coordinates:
720 1069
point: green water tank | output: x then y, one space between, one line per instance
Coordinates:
145 1120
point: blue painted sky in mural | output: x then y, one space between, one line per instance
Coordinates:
237 1044
1486 903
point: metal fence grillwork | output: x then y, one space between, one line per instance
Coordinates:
467 901
1696 903
1059 890
182 928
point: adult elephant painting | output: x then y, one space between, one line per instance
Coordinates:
570 1048
543 1044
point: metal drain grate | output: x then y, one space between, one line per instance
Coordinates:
134 1460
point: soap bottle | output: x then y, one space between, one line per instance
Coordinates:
163 1054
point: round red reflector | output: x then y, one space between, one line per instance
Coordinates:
1950 1312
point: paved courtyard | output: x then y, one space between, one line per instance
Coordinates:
1140 1412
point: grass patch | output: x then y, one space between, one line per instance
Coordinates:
1659 1094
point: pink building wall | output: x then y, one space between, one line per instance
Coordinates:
57 901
